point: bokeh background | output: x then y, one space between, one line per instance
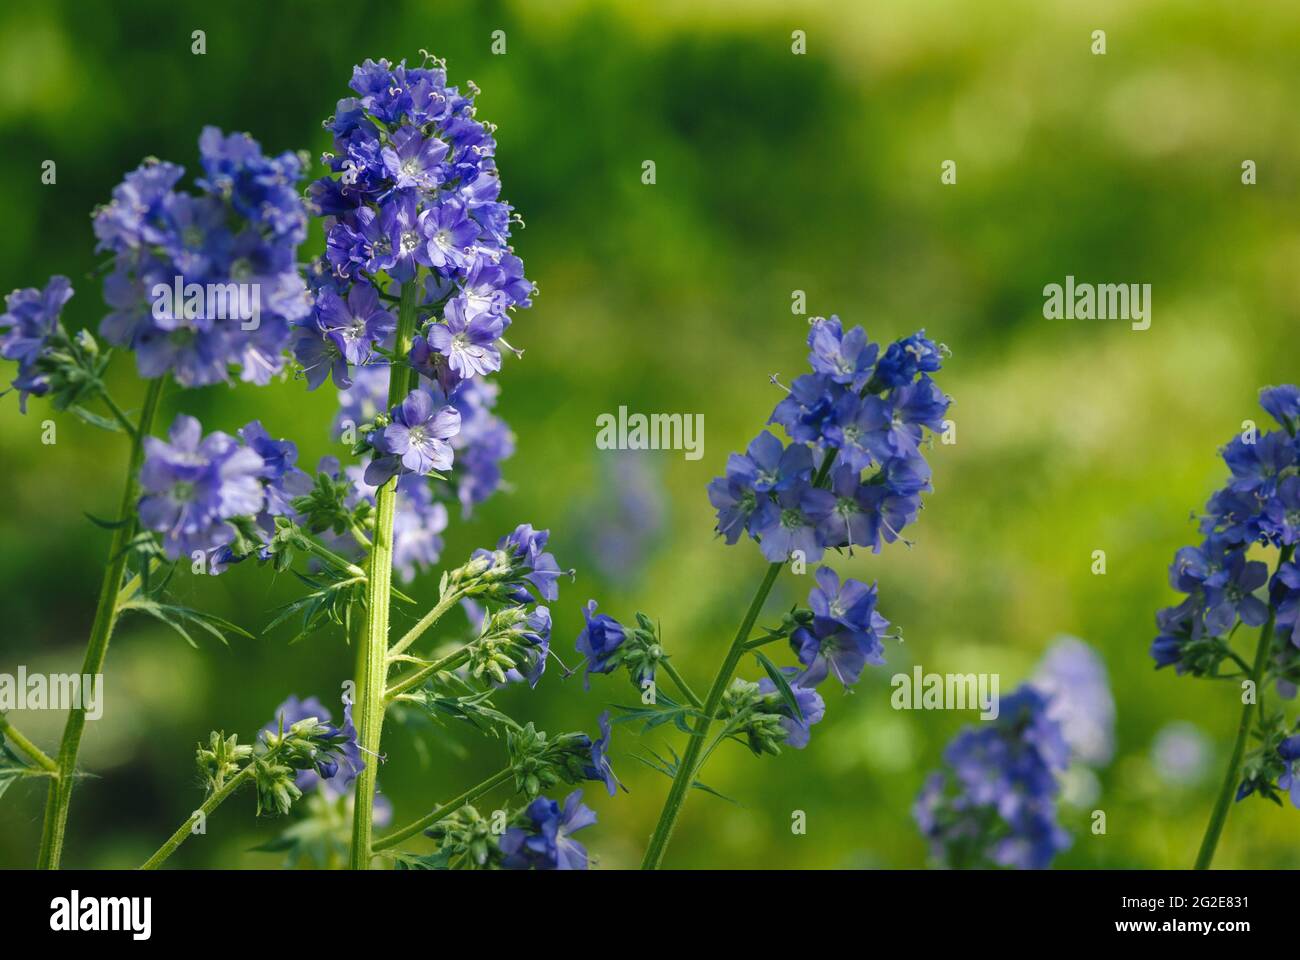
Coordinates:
775 173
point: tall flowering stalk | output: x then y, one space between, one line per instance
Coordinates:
404 312
1226 589
411 213
242 226
851 475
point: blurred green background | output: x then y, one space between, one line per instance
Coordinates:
775 173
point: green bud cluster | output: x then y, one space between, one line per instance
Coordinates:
276 790
1264 765
326 508
466 840
274 761
641 651
753 715
221 759
490 576
500 645
73 367
540 763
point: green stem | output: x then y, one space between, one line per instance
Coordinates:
329 556
26 746
450 662
186 829
764 640
1224 802
425 622
374 672
689 764
118 415
60 792
451 806
681 683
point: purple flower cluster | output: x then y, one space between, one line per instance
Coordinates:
480 445
30 321
544 841
857 411
230 251
1260 504
845 633
994 803
194 486
413 188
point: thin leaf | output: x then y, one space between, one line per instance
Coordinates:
782 685
95 420
107 524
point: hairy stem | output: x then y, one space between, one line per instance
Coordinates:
1224 801
425 622
689 764
329 556
60 792
450 807
681 684
450 662
16 737
373 656
186 829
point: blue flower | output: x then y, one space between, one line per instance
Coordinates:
1285 598
194 484
846 358
415 441
1282 403
30 319
469 344
1280 519
261 188
546 842
412 160
413 185
864 432
790 522
599 640
1073 678
770 466
1257 467
805 410
845 634
600 769
906 358
526 547
356 324
282 481
336 769
536 632
850 413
